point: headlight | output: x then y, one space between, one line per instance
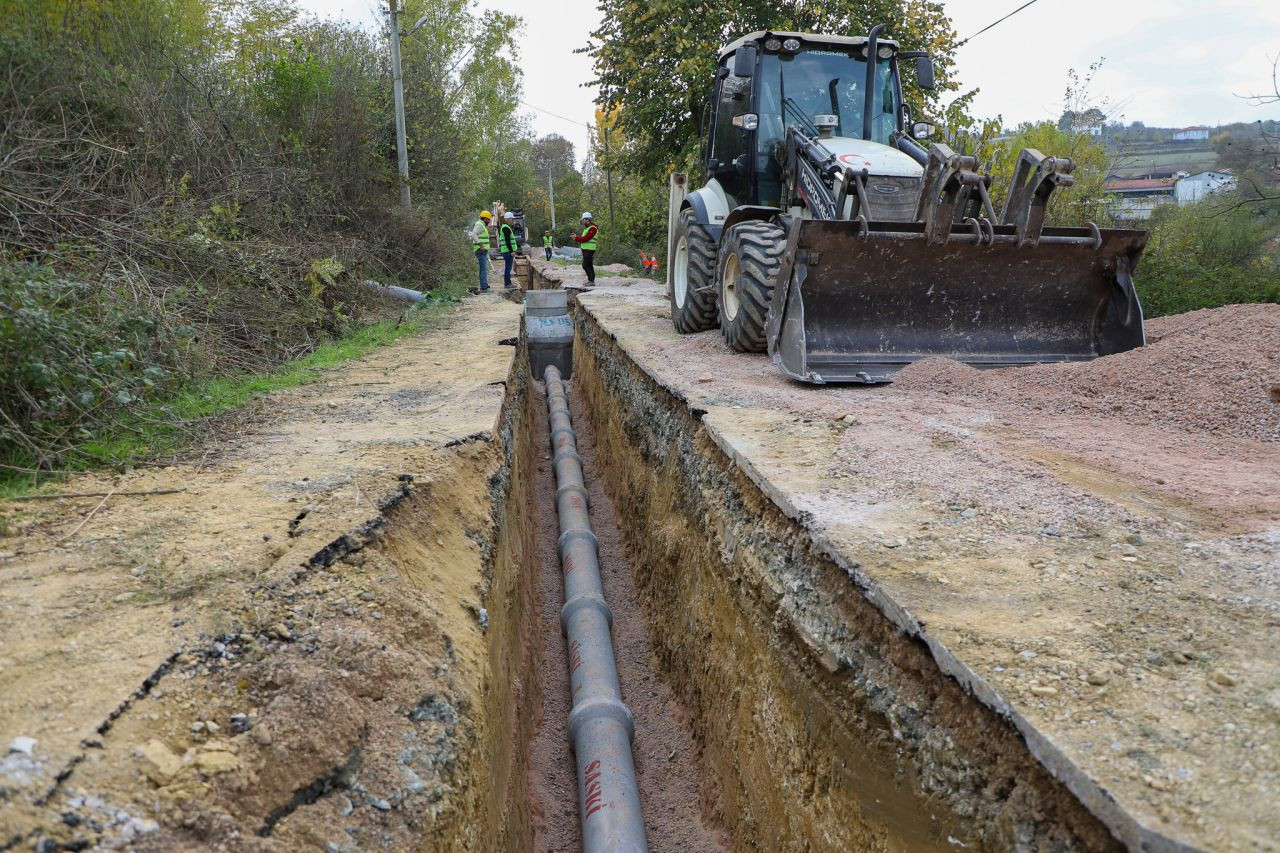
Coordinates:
773 45
791 45
884 52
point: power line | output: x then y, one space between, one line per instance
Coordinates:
989 26
556 115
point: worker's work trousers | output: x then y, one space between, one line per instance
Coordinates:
508 260
588 264
482 258
548 251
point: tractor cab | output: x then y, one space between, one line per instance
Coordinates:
825 87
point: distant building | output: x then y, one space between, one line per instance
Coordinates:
1193 188
1195 132
1135 198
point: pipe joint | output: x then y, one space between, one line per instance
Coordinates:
570 535
586 601
601 708
576 489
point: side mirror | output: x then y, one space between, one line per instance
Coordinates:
924 73
922 130
744 61
746 121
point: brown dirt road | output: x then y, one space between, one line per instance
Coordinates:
225 666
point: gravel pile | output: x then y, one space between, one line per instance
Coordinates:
1212 371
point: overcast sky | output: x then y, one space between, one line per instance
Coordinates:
1168 62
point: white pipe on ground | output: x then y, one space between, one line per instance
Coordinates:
600 725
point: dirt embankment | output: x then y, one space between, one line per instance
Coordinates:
292 651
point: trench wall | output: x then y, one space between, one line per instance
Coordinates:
808 744
510 685
489 808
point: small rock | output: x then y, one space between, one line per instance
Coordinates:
214 761
159 763
197 726
281 632
969 513
366 596
260 735
1223 678
212 727
380 805
138 571
483 616
24 745
239 723
1038 690
850 420
1098 678
1133 539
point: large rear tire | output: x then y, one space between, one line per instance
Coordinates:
749 265
693 265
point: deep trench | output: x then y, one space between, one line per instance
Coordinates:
751 732
674 792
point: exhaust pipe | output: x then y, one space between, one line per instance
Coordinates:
600 725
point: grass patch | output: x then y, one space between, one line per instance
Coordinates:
165 425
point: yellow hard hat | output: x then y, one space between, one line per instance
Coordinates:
484 214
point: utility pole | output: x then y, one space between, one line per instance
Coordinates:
551 192
397 84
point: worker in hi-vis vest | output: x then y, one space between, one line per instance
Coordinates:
548 243
479 234
507 246
588 240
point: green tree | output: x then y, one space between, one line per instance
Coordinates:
1086 199
655 59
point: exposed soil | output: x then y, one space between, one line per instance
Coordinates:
666 756
289 652
1099 543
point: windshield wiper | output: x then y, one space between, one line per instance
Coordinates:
835 101
789 105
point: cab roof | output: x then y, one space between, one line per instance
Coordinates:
808 38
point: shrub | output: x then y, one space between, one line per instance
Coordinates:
1207 255
71 355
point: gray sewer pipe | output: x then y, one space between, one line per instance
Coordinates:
600 725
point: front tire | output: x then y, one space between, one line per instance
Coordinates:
692 291
749 265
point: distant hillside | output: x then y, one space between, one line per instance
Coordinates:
1140 151
1158 159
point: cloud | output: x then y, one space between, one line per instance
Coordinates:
1171 63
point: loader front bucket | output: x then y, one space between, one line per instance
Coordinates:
856 302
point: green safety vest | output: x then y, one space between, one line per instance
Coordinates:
506 239
590 245
546 242
477 245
